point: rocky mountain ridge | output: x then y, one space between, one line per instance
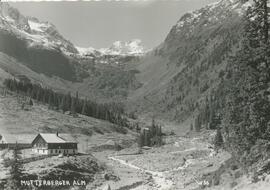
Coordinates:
37 33
131 48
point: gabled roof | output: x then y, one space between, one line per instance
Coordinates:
68 137
54 138
20 139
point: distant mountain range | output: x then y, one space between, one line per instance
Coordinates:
133 47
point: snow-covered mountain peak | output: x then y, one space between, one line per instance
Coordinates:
132 47
212 13
136 46
233 5
11 16
36 33
90 51
117 44
38 26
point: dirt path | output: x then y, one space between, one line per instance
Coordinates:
180 164
161 182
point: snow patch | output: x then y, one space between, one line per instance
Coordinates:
132 47
86 51
9 19
36 26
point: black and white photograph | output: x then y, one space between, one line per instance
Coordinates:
134 94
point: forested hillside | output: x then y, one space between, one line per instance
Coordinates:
246 117
239 105
113 112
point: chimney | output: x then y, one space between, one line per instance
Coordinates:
57 133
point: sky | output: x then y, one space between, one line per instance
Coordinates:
100 23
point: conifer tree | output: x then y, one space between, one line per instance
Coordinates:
50 101
197 123
218 141
191 127
15 171
73 108
84 108
68 101
78 109
63 104
31 102
140 140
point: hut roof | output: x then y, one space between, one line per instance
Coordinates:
54 138
17 138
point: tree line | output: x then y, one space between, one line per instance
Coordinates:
112 112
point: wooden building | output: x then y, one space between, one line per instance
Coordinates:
10 141
53 144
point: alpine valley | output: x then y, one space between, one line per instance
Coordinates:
179 71
181 86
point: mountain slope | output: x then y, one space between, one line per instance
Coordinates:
38 118
177 75
37 45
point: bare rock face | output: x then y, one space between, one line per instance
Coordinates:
9 14
35 32
36 44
